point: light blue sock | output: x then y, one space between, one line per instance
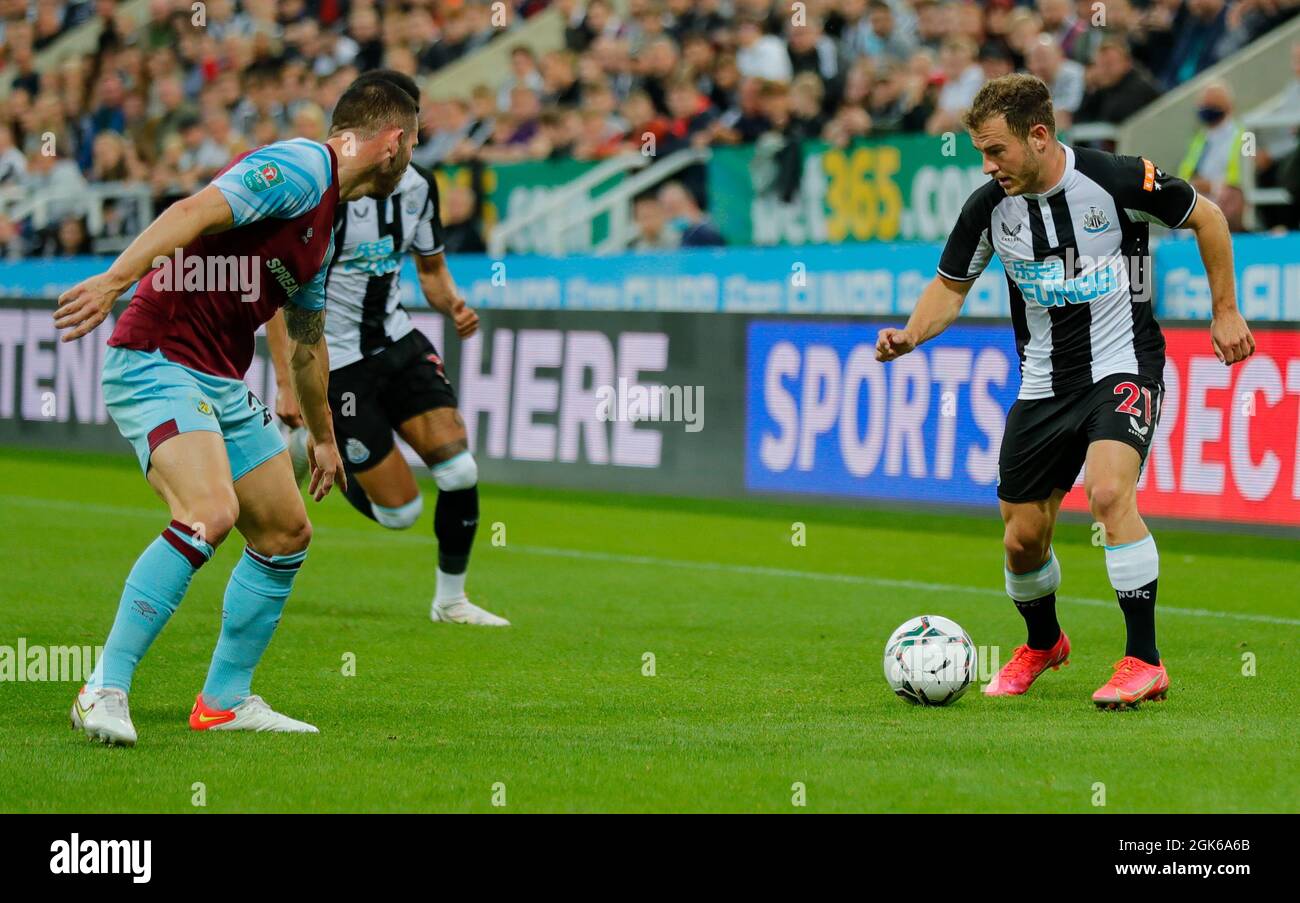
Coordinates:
255 597
154 589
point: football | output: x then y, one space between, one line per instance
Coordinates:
929 660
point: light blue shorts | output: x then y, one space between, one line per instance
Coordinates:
152 399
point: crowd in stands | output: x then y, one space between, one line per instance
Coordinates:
165 104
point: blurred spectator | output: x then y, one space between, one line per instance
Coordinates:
761 55
1063 27
523 73
961 78
1199 28
694 228
67 239
163 103
13 165
996 60
879 35
1119 86
460 234
1063 76
57 175
1213 160
652 231
810 50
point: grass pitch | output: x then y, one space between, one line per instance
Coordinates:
766 660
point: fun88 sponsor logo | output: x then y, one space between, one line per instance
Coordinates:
1043 282
824 417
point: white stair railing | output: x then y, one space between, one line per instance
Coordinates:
544 218
565 218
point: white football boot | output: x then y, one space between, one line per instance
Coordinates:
103 714
253 714
462 611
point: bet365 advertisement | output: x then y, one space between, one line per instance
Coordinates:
825 418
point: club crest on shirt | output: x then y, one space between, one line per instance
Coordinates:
412 205
1095 221
356 451
204 408
263 176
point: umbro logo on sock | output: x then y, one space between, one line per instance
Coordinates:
145 608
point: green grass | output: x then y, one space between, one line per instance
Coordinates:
768 665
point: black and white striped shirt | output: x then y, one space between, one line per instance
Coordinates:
1078 266
363 313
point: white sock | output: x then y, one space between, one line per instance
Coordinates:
450 586
1133 565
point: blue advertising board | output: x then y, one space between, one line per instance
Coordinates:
824 417
872 279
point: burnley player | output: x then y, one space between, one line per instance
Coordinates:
1071 228
386 377
211 270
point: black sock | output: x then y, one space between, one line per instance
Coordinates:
455 518
357 496
1040 618
1139 607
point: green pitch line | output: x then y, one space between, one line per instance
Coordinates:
766 664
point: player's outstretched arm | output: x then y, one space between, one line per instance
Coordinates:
1229 333
309 370
86 304
938 306
440 291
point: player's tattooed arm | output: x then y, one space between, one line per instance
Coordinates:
306 327
277 342
309 371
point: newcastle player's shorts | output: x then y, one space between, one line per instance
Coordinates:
1047 439
371 397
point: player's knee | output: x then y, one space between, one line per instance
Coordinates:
402 517
211 520
1108 499
288 538
460 472
1025 544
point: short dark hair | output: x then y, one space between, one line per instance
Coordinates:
401 79
371 104
1023 99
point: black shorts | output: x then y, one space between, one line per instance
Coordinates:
1047 439
370 397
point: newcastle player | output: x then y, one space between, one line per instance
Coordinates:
1071 228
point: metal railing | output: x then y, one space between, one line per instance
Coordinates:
1272 116
549 218
563 221
88 201
618 201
